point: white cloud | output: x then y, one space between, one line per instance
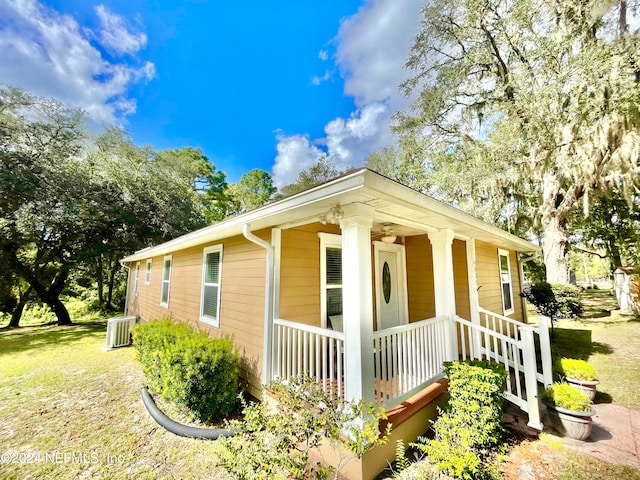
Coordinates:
115 34
49 54
372 47
318 80
295 154
323 55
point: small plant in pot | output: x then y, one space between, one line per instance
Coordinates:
569 410
580 374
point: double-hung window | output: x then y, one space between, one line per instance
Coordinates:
331 280
166 281
147 274
505 282
136 280
211 276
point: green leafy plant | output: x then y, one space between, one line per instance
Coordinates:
554 300
274 442
575 368
188 368
470 429
566 396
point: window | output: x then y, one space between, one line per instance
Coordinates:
166 281
505 282
331 280
211 275
136 280
147 273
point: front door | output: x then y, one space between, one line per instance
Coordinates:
391 285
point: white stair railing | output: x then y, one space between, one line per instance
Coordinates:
512 344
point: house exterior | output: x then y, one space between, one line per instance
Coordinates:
361 282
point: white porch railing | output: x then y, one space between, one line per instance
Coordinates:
512 344
407 358
300 349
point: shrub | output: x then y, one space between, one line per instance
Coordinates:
568 298
554 300
190 369
566 396
275 443
471 427
574 368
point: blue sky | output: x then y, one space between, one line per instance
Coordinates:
255 84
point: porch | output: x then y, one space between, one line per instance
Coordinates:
371 303
407 359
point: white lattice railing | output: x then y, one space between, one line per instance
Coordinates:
407 358
305 350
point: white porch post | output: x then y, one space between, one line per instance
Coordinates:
357 301
474 302
444 285
530 376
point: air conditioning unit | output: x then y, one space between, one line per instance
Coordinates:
119 331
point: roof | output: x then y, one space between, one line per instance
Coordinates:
625 270
410 212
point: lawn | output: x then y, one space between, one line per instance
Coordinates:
610 342
70 410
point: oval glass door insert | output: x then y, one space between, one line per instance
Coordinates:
386 282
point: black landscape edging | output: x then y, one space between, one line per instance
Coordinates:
178 428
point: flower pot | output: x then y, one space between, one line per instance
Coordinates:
571 423
586 386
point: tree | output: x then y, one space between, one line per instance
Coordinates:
67 204
43 227
254 189
613 226
322 171
404 163
543 95
158 196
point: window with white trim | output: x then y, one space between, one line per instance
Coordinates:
211 276
505 281
331 280
136 280
147 273
166 281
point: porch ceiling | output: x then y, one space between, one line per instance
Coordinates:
407 211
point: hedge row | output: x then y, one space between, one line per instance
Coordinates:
188 368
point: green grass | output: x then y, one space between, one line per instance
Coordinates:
611 343
61 394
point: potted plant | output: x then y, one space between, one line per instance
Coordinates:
569 410
580 374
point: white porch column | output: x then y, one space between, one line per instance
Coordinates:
444 285
357 301
474 302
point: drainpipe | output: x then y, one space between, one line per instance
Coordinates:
126 297
268 301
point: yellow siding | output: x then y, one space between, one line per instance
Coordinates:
241 296
489 294
300 273
420 278
461 278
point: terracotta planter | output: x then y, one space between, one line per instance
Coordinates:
586 386
571 423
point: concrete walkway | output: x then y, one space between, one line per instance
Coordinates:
615 437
